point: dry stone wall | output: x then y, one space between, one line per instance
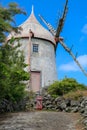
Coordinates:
66 105
49 103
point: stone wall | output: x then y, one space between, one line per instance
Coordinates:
66 105
49 103
63 105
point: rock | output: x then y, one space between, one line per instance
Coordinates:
48 102
68 102
50 107
81 110
63 106
85 122
74 103
82 104
75 109
68 109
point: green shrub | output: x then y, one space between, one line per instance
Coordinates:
59 88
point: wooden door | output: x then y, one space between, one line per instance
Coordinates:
35 81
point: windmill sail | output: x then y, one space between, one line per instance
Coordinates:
57 37
51 29
73 56
61 20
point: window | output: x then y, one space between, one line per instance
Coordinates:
35 47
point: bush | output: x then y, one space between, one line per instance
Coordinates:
59 88
12 73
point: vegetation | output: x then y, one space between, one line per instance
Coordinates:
76 95
12 73
65 86
11 58
7 22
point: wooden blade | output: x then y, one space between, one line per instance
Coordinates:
62 20
74 57
51 29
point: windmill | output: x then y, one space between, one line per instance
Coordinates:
58 39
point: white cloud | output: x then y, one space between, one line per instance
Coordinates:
84 33
82 38
83 60
72 66
84 29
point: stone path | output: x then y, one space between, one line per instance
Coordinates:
41 120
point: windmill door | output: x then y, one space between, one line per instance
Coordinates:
35 81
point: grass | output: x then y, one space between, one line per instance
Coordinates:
76 95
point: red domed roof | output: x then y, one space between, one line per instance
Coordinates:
38 30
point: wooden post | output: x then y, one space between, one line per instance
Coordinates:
31 34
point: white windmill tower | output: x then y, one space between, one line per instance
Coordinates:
39 46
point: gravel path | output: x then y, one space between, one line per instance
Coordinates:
40 120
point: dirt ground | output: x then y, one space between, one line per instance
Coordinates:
40 120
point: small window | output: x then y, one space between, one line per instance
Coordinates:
35 47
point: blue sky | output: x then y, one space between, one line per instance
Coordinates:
74 31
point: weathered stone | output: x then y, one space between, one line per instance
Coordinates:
68 102
81 110
85 122
63 106
75 109
68 109
50 106
74 103
48 102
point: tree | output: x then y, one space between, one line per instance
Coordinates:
7 22
12 73
59 88
11 58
